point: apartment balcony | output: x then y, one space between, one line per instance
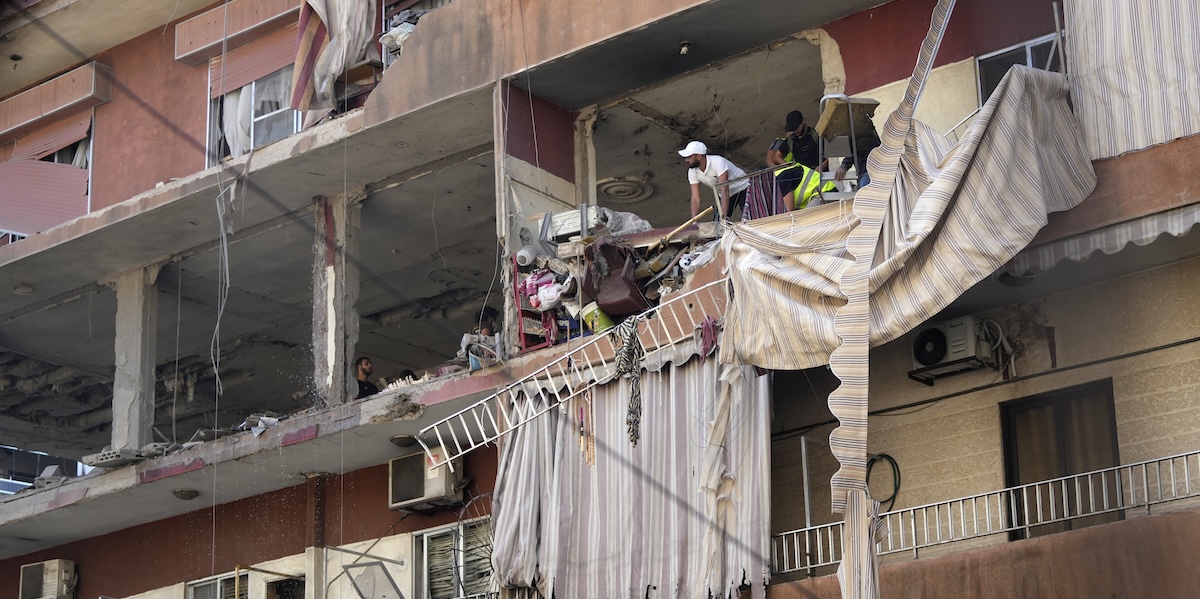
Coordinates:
1117 529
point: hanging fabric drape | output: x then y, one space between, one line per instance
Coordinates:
1141 90
686 511
825 284
334 34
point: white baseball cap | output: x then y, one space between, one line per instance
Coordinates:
694 147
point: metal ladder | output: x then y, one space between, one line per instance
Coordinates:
569 375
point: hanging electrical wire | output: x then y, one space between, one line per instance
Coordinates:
891 500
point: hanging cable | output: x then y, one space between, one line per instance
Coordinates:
178 322
891 500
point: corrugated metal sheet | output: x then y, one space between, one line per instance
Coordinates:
37 195
84 87
200 38
254 60
53 138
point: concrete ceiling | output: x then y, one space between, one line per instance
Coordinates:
649 55
736 106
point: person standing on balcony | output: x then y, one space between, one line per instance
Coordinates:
865 140
799 185
713 170
363 368
798 144
799 182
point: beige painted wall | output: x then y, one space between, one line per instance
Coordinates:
952 448
950 95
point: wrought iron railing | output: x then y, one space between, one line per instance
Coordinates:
1022 508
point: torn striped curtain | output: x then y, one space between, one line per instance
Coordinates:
334 34
824 284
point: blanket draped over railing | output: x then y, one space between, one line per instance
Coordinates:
823 285
581 512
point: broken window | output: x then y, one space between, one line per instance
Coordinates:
288 588
456 562
252 116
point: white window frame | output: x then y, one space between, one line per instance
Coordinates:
217 580
1028 45
210 137
421 551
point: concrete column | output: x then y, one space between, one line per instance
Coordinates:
585 158
133 385
315 569
335 292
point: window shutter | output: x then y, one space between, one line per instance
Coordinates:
49 140
37 195
228 588
252 61
440 567
477 558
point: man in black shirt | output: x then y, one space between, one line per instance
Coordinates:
798 144
363 369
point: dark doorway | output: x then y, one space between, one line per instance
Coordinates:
1058 434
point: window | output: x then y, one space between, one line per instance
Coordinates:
222 587
288 588
1035 53
252 116
455 562
5 239
75 154
1058 434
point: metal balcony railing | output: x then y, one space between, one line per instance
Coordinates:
562 379
1021 508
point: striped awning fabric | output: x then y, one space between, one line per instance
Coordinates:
1135 69
1108 240
824 284
581 512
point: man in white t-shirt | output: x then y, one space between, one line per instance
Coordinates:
712 171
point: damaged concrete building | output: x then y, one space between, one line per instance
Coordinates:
210 210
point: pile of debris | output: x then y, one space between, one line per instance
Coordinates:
567 288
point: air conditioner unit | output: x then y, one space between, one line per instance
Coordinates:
54 579
949 347
415 485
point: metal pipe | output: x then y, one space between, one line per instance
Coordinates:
361 554
965 119
804 470
272 573
1062 57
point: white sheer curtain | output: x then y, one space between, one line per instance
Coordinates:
685 512
80 159
236 114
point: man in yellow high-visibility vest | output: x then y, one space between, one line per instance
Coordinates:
799 185
799 146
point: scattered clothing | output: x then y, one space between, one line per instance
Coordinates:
762 197
629 363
